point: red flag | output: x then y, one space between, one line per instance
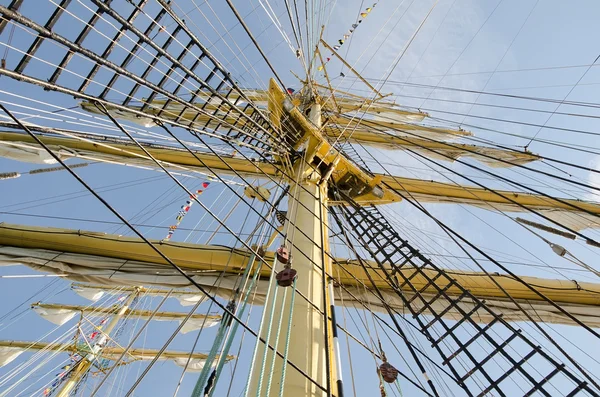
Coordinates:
205 184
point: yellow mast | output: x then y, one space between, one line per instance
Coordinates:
308 214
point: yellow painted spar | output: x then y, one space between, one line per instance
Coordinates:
171 155
109 352
230 260
431 147
363 124
444 192
424 190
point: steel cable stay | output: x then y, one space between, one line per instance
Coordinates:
450 255
535 69
490 105
572 146
522 137
523 97
488 142
529 209
485 21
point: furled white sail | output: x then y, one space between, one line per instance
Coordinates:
24 152
55 316
89 293
194 364
574 220
92 293
114 272
62 315
8 354
194 324
188 300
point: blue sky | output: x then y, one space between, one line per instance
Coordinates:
458 46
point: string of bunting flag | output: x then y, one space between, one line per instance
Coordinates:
348 33
184 210
59 378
